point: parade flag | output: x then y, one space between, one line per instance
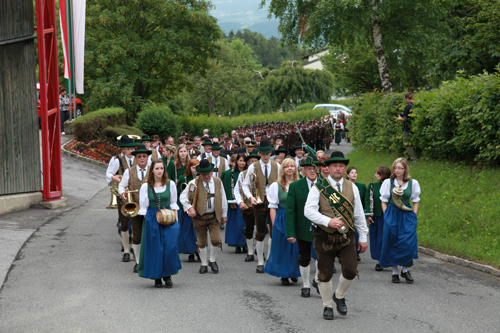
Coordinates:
64 37
78 29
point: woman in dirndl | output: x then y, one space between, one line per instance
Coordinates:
178 167
399 244
338 127
187 235
235 223
159 256
282 261
376 222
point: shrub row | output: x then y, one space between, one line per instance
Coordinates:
458 121
219 125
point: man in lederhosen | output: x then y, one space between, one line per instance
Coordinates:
298 227
246 206
133 178
333 203
210 209
117 166
267 173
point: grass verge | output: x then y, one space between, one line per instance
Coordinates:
459 211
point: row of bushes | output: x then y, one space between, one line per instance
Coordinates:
219 125
458 121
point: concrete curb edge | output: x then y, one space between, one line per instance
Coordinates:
460 261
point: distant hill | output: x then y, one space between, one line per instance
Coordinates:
244 14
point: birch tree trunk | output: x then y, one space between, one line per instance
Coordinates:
383 69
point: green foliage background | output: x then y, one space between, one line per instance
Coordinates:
159 120
459 121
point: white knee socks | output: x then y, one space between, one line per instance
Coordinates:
137 252
203 256
213 252
325 289
344 284
317 271
404 269
250 246
305 273
394 270
125 242
260 252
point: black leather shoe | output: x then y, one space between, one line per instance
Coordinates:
214 267
334 269
126 257
395 278
136 268
305 292
158 283
244 249
260 269
406 275
328 313
359 258
378 268
168 282
203 269
295 280
237 250
341 306
285 282
191 258
249 258
315 285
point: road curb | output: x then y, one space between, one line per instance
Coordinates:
80 157
460 261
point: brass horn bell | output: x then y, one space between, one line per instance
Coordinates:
397 193
113 187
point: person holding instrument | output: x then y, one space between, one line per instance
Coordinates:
376 220
334 206
159 255
399 244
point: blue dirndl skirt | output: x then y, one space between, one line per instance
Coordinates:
159 252
234 227
399 244
376 235
284 255
187 235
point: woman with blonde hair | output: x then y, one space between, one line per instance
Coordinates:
167 153
399 244
282 261
178 167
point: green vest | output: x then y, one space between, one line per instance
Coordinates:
164 197
405 199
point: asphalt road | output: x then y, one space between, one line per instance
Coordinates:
69 278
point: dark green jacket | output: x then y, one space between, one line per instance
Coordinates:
297 225
226 182
362 192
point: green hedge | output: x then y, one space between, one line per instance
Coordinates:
459 121
220 125
158 120
104 123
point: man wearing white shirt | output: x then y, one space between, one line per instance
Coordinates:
246 206
207 145
208 209
133 178
220 163
329 240
267 173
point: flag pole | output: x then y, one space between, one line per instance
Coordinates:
69 18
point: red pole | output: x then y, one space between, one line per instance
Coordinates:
49 99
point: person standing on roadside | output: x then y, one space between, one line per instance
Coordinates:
64 107
404 117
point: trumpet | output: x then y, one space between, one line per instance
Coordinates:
254 188
130 208
113 187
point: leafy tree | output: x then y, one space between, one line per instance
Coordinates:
404 34
228 82
139 51
159 120
292 84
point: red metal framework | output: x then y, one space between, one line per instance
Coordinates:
49 98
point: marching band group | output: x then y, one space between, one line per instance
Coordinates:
310 205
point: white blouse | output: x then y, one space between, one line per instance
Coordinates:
144 198
237 195
385 190
273 196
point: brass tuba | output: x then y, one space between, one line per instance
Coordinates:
113 187
254 188
130 208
